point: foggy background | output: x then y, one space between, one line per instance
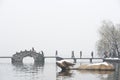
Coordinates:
50 25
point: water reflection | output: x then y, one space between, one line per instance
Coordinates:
29 71
33 64
117 71
29 67
64 73
92 75
102 75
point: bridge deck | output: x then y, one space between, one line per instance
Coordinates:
55 57
50 57
5 57
82 58
71 58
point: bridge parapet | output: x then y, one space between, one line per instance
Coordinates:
18 57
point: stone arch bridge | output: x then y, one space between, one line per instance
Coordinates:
18 57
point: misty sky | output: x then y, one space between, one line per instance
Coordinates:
50 25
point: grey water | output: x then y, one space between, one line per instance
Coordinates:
49 71
27 71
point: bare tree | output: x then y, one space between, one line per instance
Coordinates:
109 39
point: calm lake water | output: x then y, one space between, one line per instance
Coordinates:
49 71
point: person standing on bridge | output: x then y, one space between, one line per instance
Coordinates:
92 54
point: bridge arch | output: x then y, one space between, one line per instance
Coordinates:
28 60
18 57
